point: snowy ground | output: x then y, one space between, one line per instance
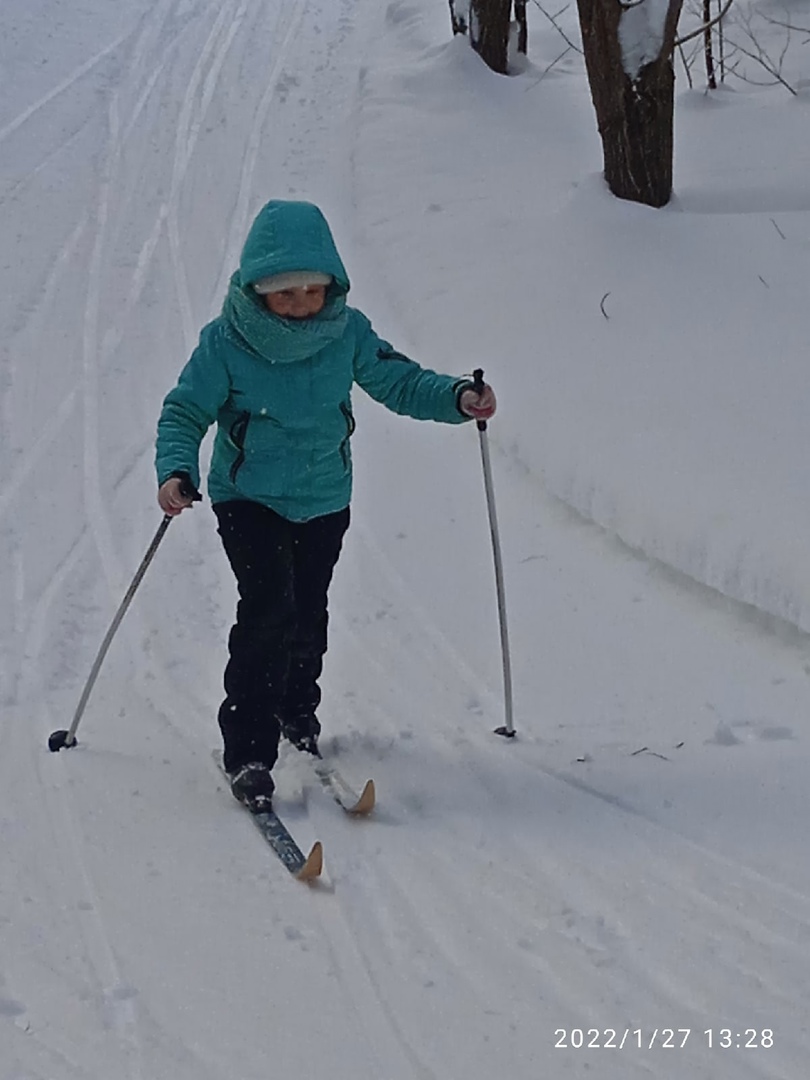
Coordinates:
637 860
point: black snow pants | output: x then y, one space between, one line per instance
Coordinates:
283 570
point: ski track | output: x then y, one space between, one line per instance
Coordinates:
80 907
581 933
77 888
431 643
117 1002
32 635
375 1018
775 920
240 218
455 949
429 638
66 84
62 265
202 83
95 499
38 449
48 160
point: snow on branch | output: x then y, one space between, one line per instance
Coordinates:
641 33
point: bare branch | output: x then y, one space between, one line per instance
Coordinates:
786 25
553 63
553 20
686 65
705 26
761 57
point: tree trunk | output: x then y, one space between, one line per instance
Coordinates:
489 31
708 50
634 115
523 26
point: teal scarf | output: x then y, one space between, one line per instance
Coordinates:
282 340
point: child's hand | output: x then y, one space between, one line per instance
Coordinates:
171 498
479 406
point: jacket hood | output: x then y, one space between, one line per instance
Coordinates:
289 236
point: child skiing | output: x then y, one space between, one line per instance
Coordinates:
274 371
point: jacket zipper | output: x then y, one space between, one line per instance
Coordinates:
238 433
350 426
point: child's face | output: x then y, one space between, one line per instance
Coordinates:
297 303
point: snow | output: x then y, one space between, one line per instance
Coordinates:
637 858
641 33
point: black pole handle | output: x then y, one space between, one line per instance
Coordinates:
479 387
187 489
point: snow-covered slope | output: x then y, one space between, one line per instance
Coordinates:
636 860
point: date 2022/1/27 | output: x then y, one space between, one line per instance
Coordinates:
663 1038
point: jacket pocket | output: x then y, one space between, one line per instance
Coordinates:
350 426
237 435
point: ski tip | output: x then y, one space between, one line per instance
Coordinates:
314 865
365 804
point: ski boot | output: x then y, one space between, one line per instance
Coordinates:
253 785
302 731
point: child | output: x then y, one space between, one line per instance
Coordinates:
275 373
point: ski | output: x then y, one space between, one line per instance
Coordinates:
301 866
343 793
280 839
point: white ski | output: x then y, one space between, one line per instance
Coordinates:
343 793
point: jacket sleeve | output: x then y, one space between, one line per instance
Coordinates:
190 409
401 384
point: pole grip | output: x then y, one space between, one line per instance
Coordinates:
478 387
187 489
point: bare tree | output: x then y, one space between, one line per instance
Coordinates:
628 47
747 42
744 35
489 32
488 23
709 27
708 45
522 26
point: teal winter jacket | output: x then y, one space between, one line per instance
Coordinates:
279 390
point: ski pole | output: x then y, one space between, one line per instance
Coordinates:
60 739
508 729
